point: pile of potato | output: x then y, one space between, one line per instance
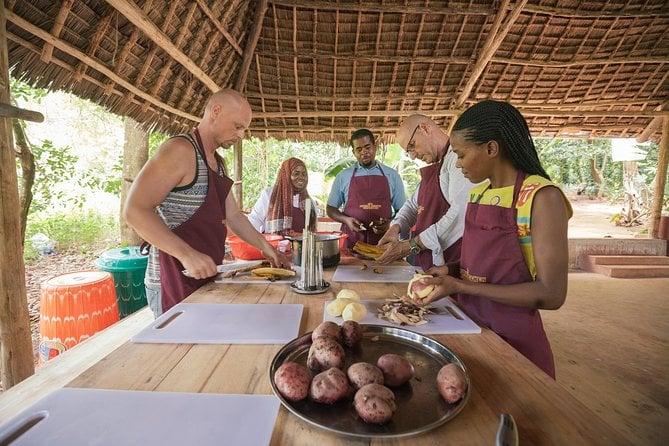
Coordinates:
374 401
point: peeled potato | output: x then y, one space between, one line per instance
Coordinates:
354 311
417 289
336 307
348 294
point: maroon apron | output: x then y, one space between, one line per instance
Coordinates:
491 253
432 205
368 200
204 231
298 220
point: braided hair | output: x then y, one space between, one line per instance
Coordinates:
502 122
361 133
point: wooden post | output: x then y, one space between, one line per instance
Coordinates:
661 181
135 155
237 175
16 350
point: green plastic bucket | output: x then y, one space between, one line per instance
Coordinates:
128 267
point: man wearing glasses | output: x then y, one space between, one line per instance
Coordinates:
368 193
436 210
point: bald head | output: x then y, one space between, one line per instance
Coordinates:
427 140
227 115
408 126
229 100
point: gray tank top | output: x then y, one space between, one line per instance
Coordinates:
179 205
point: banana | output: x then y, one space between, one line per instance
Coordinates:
367 250
273 272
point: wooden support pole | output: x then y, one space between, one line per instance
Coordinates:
660 181
16 350
237 175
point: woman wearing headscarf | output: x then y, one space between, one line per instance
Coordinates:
280 208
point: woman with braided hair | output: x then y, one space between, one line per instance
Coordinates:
514 257
280 208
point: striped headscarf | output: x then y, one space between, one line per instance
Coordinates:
280 213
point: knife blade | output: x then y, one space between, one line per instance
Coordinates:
507 432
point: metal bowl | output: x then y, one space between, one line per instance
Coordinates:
420 408
328 242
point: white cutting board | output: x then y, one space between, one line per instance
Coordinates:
187 323
99 417
445 323
391 274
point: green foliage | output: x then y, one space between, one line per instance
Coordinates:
54 166
72 231
569 163
155 140
104 177
20 90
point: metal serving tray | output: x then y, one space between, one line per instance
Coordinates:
420 408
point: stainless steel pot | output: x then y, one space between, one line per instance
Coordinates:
329 243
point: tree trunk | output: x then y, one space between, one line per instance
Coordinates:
27 160
16 350
135 154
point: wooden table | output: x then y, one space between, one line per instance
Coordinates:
502 379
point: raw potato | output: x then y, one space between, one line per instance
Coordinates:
336 307
351 333
329 386
416 290
396 369
375 403
293 381
362 373
325 352
327 328
452 383
348 294
354 311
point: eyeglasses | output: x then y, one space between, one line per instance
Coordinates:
411 147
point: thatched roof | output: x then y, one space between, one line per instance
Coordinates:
320 69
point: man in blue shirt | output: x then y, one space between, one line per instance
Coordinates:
365 196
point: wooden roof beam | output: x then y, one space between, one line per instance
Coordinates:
440 97
496 36
653 126
462 60
120 93
93 63
251 44
366 57
581 62
58 24
137 17
94 43
471 10
564 12
385 8
209 13
456 112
